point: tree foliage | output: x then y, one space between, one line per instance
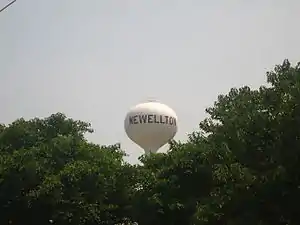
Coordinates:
49 172
240 168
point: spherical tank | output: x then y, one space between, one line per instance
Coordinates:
151 125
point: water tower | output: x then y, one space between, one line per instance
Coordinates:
151 125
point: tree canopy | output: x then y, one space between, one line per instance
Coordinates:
240 168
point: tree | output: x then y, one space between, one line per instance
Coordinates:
170 185
241 167
259 131
50 173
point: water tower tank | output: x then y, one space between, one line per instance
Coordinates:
151 125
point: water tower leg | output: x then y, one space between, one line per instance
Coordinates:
147 151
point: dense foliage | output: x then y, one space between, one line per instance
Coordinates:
240 168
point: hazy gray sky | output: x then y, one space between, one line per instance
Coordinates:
95 59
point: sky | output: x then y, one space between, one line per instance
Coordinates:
95 59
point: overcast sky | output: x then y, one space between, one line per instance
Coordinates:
94 59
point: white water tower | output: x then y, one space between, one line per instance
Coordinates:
151 125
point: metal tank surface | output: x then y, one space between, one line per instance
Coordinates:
151 125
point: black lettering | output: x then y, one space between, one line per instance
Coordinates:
150 118
130 120
171 120
167 119
161 119
155 119
143 118
135 121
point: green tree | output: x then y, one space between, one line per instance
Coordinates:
240 168
172 184
259 130
49 173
